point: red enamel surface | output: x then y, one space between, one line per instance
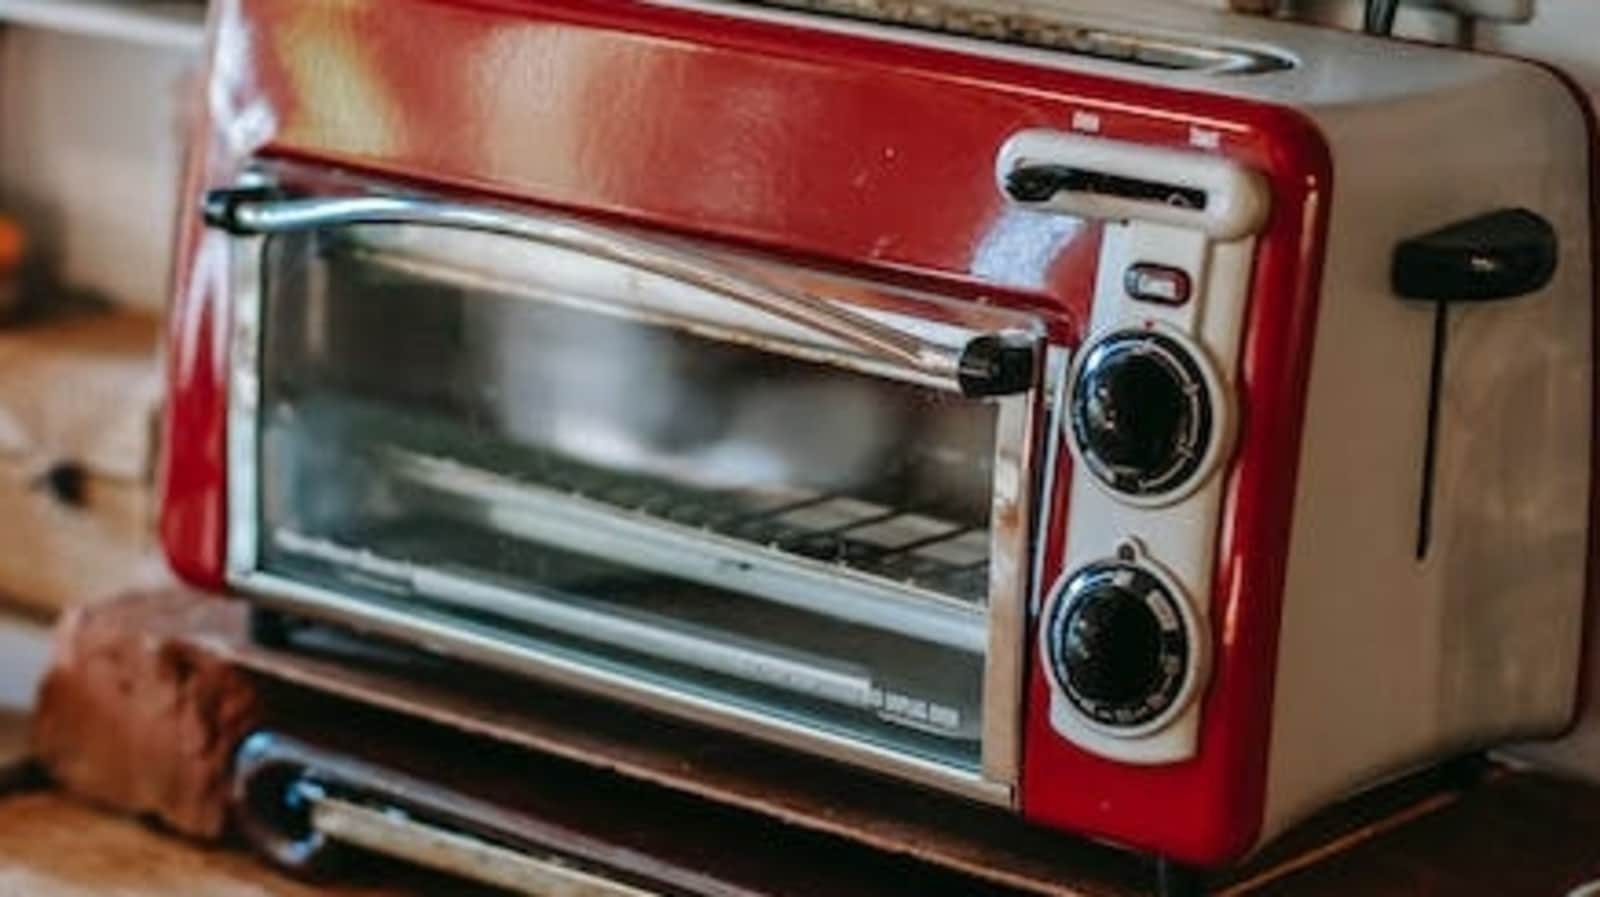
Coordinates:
838 151
1208 811
193 524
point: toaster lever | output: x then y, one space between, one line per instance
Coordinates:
1500 255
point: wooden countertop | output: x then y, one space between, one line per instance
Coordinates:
53 846
647 797
1513 836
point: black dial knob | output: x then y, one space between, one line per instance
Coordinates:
1118 645
1141 414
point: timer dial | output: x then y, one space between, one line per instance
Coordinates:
1141 412
1118 645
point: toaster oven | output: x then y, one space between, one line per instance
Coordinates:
1159 435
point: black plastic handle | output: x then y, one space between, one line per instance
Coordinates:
1500 255
997 365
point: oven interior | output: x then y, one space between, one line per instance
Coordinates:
711 510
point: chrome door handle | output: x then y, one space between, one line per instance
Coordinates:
991 364
392 832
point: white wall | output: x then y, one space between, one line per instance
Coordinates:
90 152
1564 32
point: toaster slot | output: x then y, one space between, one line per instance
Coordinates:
1045 181
1042 29
1111 180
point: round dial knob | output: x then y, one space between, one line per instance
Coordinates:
1141 413
1118 645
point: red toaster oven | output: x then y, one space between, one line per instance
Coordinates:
1155 422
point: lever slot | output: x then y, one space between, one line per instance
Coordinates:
1046 30
1110 180
1040 183
1496 256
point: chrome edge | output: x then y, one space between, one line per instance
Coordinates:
1037 29
273 216
1008 581
244 401
394 832
1058 364
770 336
1014 564
813 678
497 650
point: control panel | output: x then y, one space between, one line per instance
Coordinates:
1150 414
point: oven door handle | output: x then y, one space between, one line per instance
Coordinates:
991 364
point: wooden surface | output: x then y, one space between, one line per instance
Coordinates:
80 392
653 792
53 847
1514 836
1509 834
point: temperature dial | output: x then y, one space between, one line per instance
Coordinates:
1118 645
1141 413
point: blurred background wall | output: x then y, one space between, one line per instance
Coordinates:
1564 32
90 146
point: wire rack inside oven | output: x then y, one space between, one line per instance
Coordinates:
912 543
900 529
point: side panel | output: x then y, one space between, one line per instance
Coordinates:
1575 751
837 150
1390 659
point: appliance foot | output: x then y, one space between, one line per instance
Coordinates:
1177 880
270 628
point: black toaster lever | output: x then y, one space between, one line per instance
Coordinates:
1500 255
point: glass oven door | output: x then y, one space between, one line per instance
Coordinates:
791 504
